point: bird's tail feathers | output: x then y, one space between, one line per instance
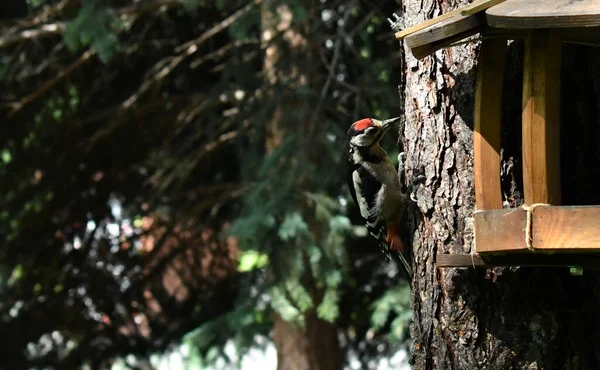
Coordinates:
404 255
406 265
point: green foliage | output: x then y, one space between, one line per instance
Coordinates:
190 5
191 155
221 4
95 25
296 243
288 310
299 295
242 29
329 308
292 227
17 274
240 325
395 301
33 4
6 156
251 260
299 11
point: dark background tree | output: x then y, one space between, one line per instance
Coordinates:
13 9
168 168
525 318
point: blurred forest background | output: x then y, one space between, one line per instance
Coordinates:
172 180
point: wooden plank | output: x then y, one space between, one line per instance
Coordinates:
581 35
584 260
445 29
576 35
530 14
421 26
500 230
475 7
459 260
479 6
563 228
566 227
423 51
487 118
541 117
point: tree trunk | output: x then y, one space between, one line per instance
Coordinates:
13 9
314 346
511 318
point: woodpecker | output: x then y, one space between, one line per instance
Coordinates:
375 187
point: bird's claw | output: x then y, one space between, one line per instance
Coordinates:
401 157
417 180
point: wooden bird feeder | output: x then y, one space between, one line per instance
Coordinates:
542 232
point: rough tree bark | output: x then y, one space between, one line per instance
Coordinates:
517 318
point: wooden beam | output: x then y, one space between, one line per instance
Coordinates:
425 50
528 14
586 261
575 35
473 8
487 118
421 26
541 117
444 30
500 230
459 260
420 49
566 227
553 229
479 6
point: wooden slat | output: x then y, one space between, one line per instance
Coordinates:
576 35
541 117
421 26
473 8
479 6
584 36
584 260
500 230
544 14
423 51
566 227
459 260
448 28
572 228
490 33
487 118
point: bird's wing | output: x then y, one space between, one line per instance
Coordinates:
364 189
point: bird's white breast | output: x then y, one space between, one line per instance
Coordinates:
389 198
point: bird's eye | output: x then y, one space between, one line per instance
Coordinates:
371 130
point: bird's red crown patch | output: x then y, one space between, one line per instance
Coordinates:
363 124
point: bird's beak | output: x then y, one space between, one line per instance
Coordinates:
385 125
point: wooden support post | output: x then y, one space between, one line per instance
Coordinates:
541 117
488 114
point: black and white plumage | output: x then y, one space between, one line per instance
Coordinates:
375 187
